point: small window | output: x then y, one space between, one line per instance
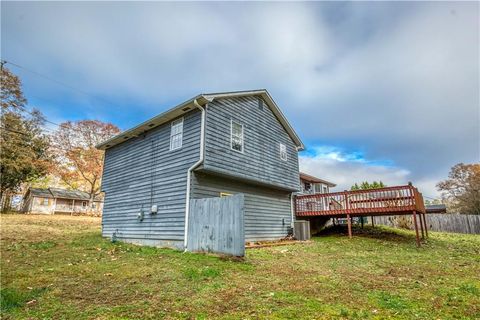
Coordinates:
260 104
283 152
94 205
236 136
84 204
307 186
176 134
225 194
45 202
325 189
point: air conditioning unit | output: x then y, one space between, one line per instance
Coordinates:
301 229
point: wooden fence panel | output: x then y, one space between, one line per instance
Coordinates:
217 225
456 223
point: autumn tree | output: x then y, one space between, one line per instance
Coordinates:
76 160
462 188
23 145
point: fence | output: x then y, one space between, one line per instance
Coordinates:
457 223
217 225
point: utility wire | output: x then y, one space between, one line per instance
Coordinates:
23 134
3 62
55 81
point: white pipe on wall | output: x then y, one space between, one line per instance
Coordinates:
193 167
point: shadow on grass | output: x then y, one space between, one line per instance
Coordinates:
377 233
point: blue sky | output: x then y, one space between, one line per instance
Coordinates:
377 91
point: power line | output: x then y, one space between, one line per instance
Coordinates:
14 131
55 81
54 123
23 134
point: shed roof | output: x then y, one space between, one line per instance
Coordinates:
309 178
61 193
188 105
38 192
436 208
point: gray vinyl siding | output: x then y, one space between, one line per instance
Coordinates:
136 167
260 160
267 210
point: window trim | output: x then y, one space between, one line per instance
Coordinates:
47 200
282 151
176 121
231 136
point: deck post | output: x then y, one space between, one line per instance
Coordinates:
373 222
416 228
349 223
361 221
421 225
425 223
349 220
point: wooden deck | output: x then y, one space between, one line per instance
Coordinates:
398 200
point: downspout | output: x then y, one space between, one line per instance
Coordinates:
292 200
193 167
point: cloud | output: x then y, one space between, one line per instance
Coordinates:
345 173
397 83
347 168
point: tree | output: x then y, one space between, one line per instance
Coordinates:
432 202
462 188
76 160
23 144
12 98
365 185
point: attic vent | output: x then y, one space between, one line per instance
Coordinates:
186 109
151 125
260 104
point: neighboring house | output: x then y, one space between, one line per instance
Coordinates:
56 200
313 185
310 184
212 145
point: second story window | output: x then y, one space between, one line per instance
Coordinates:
283 152
236 136
176 134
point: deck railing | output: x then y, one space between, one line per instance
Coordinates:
361 202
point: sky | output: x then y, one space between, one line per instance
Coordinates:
376 90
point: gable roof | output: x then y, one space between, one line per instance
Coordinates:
309 178
61 193
188 105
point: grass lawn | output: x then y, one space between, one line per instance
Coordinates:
60 268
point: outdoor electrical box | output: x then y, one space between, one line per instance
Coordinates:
154 209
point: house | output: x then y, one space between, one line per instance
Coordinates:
310 184
56 200
213 145
313 185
